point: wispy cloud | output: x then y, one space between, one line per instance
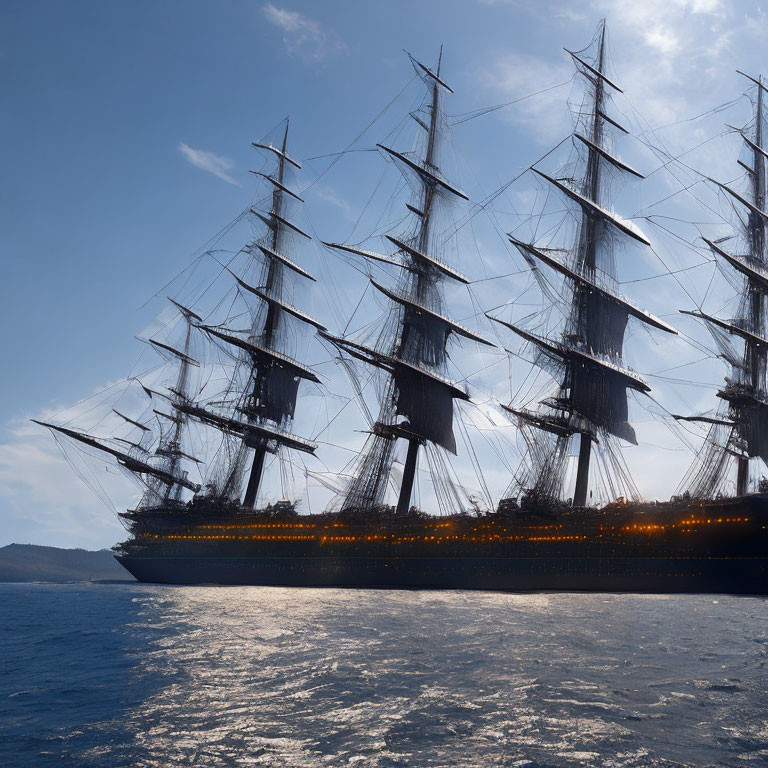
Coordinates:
693 45
302 36
685 39
513 75
43 500
52 490
329 195
211 162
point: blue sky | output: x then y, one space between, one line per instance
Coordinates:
126 144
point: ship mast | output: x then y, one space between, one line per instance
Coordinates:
746 392
587 254
592 397
170 443
269 403
257 465
415 361
422 282
755 351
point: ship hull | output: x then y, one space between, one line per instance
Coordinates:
683 547
628 574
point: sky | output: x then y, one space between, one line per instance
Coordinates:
126 140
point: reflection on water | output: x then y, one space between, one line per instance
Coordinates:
133 675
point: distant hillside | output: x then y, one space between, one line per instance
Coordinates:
28 562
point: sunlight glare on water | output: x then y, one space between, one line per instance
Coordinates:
114 675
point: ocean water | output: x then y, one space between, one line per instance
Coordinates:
112 675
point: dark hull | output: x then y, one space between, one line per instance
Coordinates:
715 547
631 574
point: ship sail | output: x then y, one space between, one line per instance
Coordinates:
591 402
740 432
418 396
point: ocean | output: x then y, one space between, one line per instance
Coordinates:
111 675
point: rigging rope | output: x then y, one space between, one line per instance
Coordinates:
361 134
467 116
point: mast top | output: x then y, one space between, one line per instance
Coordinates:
598 70
429 73
592 70
279 152
186 311
756 80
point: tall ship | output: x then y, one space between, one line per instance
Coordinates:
553 529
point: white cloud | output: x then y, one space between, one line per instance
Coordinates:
662 39
44 502
663 25
513 75
305 37
329 195
69 497
674 59
209 161
570 15
672 56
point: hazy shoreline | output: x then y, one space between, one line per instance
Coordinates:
29 563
